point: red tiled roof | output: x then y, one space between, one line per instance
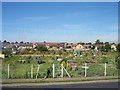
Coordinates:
55 45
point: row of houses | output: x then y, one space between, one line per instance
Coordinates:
54 46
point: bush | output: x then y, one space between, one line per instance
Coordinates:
117 60
118 47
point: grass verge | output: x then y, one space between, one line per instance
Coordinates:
59 81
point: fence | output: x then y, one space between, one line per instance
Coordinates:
57 70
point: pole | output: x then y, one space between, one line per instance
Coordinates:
32 71
53 70
66 71
85 69
61 70
37 71
105 72
8 71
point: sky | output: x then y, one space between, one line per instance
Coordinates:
60 21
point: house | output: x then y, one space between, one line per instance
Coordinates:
78 47
2 56
54 46
87 46
8 46
24 46
38 44
97 46
114 47
68 46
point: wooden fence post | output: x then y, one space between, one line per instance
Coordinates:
61 70
37 71
105 72
53 70
8 71
86 67
66 72
32 71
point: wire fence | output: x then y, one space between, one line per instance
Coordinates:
47 70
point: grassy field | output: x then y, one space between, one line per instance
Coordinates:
96 65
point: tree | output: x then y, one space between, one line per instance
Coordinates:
117 60
82 43
97 41
90 43
101 42
41 48
0 46
21 42
27 50
7 52
107 47
102 48
29 58
27 42
16 42
44 41
93 47
60 52
106 43
118 47
4 41
12 42
8 42
68 46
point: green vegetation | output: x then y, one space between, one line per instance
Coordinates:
20 66
7 52
41 48
22 61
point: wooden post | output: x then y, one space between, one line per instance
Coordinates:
61 70
53 70
32 71
8 71
66 72
85 69
105 72
37 71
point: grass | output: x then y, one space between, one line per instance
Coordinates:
18 70
60 81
